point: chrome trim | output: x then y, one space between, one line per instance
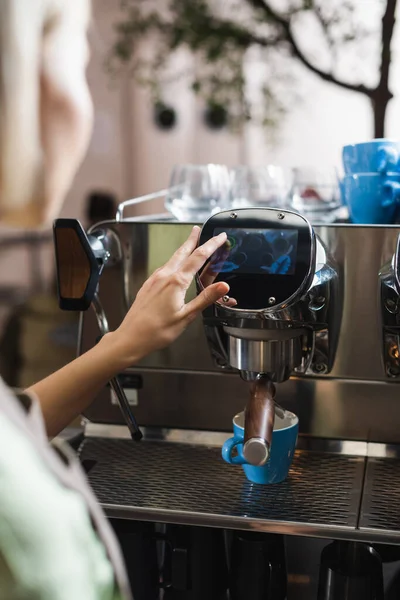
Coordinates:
256 451
344 447
223 521
179 436
245 523
383 450
277 357
100 315
139 200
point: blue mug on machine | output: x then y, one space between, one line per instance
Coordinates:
372 198
284 439
375 156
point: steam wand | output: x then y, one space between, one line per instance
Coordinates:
127 413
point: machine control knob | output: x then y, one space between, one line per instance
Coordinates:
256 451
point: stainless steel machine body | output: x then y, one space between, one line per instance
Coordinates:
356 400
347 468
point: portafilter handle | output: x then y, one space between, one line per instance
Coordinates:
259 422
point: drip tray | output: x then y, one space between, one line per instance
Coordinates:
188 484
380 509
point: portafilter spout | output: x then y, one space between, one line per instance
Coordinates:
259 421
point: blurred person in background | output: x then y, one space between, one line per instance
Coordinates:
55 543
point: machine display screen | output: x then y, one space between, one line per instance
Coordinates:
257 251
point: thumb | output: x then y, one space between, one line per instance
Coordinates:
207 297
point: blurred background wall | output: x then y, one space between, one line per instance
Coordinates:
131 156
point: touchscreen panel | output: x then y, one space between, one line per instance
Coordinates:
257 251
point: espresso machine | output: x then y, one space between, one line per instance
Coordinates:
282 315
316 313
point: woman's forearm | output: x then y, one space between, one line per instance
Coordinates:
157 317
67 392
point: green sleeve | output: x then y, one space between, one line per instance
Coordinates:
48 548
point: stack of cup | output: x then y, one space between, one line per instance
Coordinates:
371 186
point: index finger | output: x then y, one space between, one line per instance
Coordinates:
197 259
183 251
211 271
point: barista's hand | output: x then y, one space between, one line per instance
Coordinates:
159 314
210 271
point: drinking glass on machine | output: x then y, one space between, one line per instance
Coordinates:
198 191
316 193
260 186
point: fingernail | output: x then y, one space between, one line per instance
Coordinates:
222 234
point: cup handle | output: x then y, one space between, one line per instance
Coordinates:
391 193
387 157
227 448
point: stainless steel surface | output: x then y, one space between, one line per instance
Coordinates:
276 357
331 492
182 387
380 509
191 484
341 409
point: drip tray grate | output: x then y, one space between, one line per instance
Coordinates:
381 500
177 482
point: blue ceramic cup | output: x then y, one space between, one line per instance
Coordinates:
376 156
372 198
284 439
